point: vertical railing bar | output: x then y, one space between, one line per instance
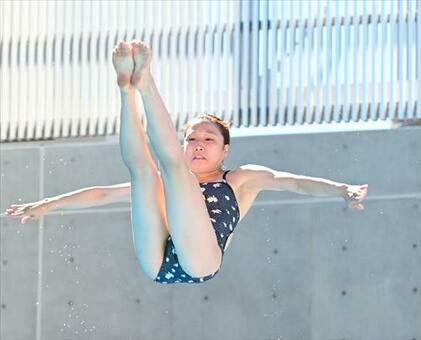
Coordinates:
201 70
179 61
347 51
401 83
338 57
245 64
237 60
191 62
383 49
154 24
49 74
19 74
418 59
4 37
291 65
65 60
206 59
74 66
85 95
102 65
327 72
182 60
409 57
311 23
211 58
281 58
273 62
81 84
12 86
223 25
391 110
299 92
165 56
364 57
374 47
173 71
88 117
110 89
264 53
254 62
92 64
355 69
57 70
39 71
218 57
317 68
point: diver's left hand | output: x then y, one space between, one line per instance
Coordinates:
354 194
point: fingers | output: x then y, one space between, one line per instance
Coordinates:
356 206
27 218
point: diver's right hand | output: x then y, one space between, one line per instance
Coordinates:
29 211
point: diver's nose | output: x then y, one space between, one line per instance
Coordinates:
198 147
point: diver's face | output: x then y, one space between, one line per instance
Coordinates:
204 148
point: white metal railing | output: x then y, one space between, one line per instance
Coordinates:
252 62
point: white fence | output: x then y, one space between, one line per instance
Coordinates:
257 63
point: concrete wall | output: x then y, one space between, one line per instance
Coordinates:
299 267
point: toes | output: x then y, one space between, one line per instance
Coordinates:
122 44
122 48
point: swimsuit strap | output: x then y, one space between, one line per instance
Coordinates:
225 173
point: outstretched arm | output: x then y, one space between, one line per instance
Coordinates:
264 178
82 198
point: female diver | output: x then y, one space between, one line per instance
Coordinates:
183 215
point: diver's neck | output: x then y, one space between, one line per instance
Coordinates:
214 176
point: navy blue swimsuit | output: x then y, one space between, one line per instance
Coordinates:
224 214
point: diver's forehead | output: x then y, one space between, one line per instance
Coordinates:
203 128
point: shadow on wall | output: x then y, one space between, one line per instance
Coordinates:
398 123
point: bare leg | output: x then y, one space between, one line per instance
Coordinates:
188 219
148 215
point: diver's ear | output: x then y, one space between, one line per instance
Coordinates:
226 148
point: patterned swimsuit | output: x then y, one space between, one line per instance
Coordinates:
224 214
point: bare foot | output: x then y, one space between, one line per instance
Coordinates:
142 56
123 64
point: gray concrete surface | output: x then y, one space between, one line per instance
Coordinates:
299 267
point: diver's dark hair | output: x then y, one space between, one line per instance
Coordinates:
221 124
